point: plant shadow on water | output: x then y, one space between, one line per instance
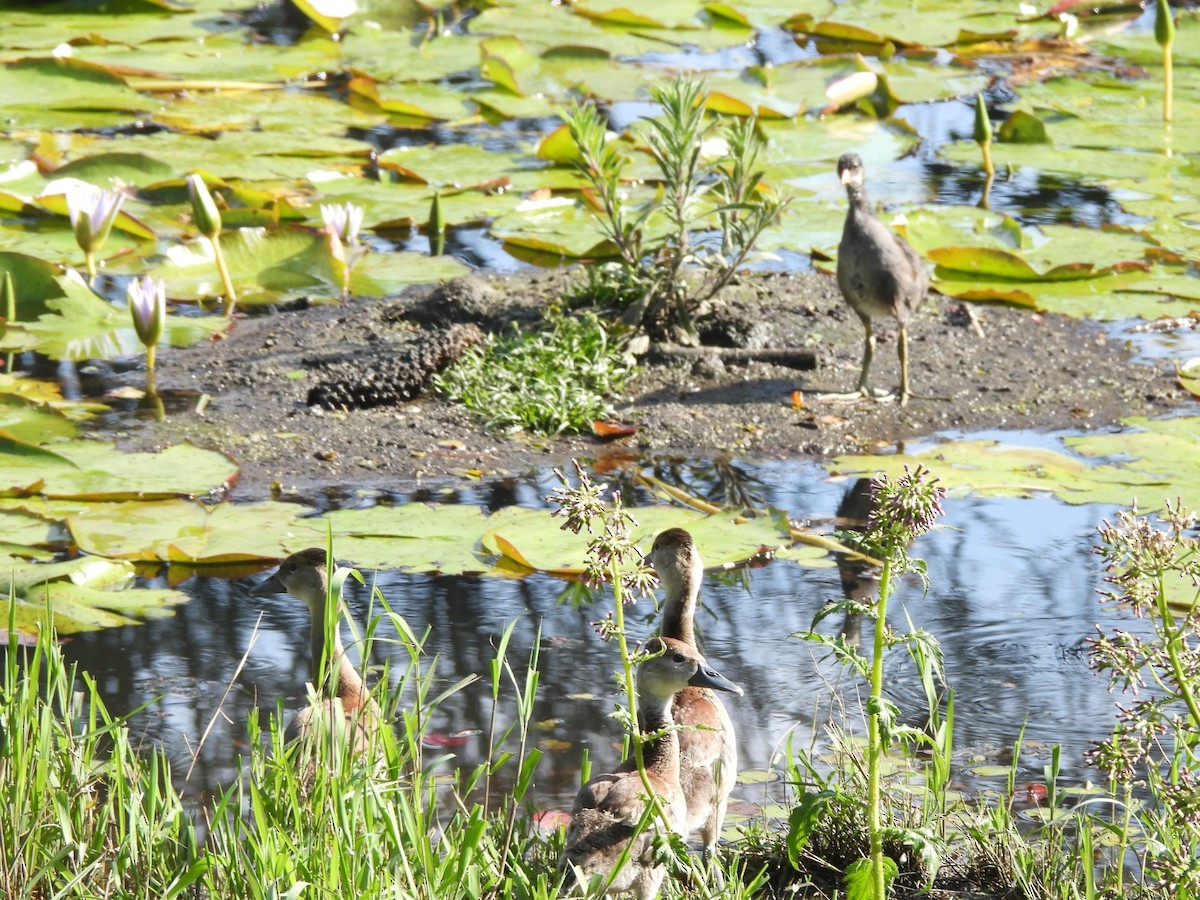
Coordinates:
1012 599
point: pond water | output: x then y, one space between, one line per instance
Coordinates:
1012 598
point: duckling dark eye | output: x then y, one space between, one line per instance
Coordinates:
679 657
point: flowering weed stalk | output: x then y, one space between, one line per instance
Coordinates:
1156 741
901 511
612 557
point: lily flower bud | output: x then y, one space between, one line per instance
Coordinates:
204 209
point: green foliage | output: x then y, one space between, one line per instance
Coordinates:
554 380
82 813
901 510
704 185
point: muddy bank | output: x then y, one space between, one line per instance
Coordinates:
1030 371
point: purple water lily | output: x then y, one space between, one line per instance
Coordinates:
93 212
148 308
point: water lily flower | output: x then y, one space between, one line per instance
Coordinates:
148 308
208 222
343 221
92 213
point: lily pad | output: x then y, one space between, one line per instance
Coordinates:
183 531
1150 460
97 470
81 594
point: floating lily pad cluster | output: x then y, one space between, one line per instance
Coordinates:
144 511
396 104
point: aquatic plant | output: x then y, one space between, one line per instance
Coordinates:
1164 34
148 309
343 221
207 219
92 211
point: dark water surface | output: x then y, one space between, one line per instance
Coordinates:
1012 599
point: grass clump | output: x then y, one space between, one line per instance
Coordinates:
82 812
554 380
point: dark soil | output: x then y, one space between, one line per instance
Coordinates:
1031 371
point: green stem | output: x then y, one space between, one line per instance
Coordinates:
226 281
874 739
1182 682
1168 81
90 261
986 147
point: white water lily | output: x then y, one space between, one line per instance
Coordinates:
148 308
93 212
343 221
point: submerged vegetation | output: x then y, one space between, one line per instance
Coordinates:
83 812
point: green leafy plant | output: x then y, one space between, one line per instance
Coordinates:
902 510
709 179
554 380
1155 744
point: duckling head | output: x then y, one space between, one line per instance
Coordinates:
677 666
676 560
304 575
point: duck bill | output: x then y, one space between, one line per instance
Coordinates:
266 588
709 678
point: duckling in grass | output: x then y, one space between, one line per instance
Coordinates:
344 701
707 754
609 808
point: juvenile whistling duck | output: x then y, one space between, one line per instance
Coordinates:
608 808
877 270
305 575
708 755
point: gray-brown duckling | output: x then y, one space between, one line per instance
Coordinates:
608 808
877 270
708 754
305 575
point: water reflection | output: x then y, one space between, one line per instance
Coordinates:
1012 600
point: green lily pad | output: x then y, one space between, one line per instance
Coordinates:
80 325
49 93
185 531
266 266
1152 463
537 541
97 470
81 594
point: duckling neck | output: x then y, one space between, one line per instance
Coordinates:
348 684
679 608
661 754
857 195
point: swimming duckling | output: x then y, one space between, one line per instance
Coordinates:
707 755
305 575
609 807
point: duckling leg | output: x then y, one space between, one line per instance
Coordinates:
867 357
904 392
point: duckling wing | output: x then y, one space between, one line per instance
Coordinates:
707 757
